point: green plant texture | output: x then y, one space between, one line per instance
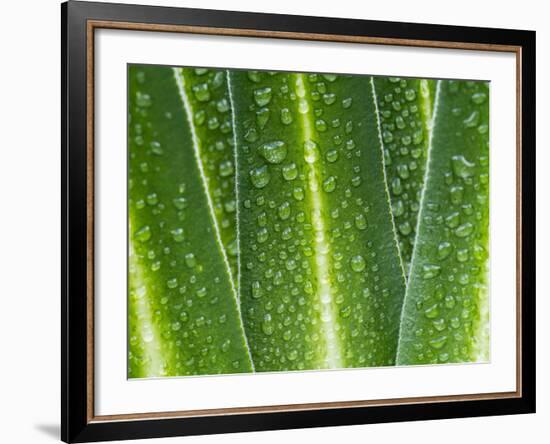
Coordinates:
286 221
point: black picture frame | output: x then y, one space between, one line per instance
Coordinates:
77 424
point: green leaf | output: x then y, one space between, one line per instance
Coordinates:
321 282
405 107
183 313
208 99
445 313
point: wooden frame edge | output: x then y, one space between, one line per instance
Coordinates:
105 24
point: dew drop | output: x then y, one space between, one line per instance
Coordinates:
262 96
444 249
430 271
329 98
156 148
201 92
267 325
274 152
177 234
225 346
292 355
329 184
290 171
464 230
298 193
472 120
143 234
479 98
332 156
260 176
438 342
257 291
190 260
410 95
143 100
432 311
180 203
462 168
226 168
311 151
303 106
360 222
358 263
284 210
286 116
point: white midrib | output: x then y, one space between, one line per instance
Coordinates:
333 355
180 82
430 126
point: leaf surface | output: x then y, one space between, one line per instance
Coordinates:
405 108
207 96
445 313
183 312
321 282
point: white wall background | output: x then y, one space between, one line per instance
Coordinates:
30 208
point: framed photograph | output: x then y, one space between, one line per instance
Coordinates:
276 221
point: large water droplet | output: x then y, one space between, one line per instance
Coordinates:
262 96
290 171
274 152
286 116
201 92
329 184
311 151
257 291
358 263
360 222
444 249
462 168
260 176
429 271
465 229
143 234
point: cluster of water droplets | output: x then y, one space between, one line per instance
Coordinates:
208 95
176 275
404 134
451 277
305 207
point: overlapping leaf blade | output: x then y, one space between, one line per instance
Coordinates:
445 314
321 280
183 312
405 107
207 96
